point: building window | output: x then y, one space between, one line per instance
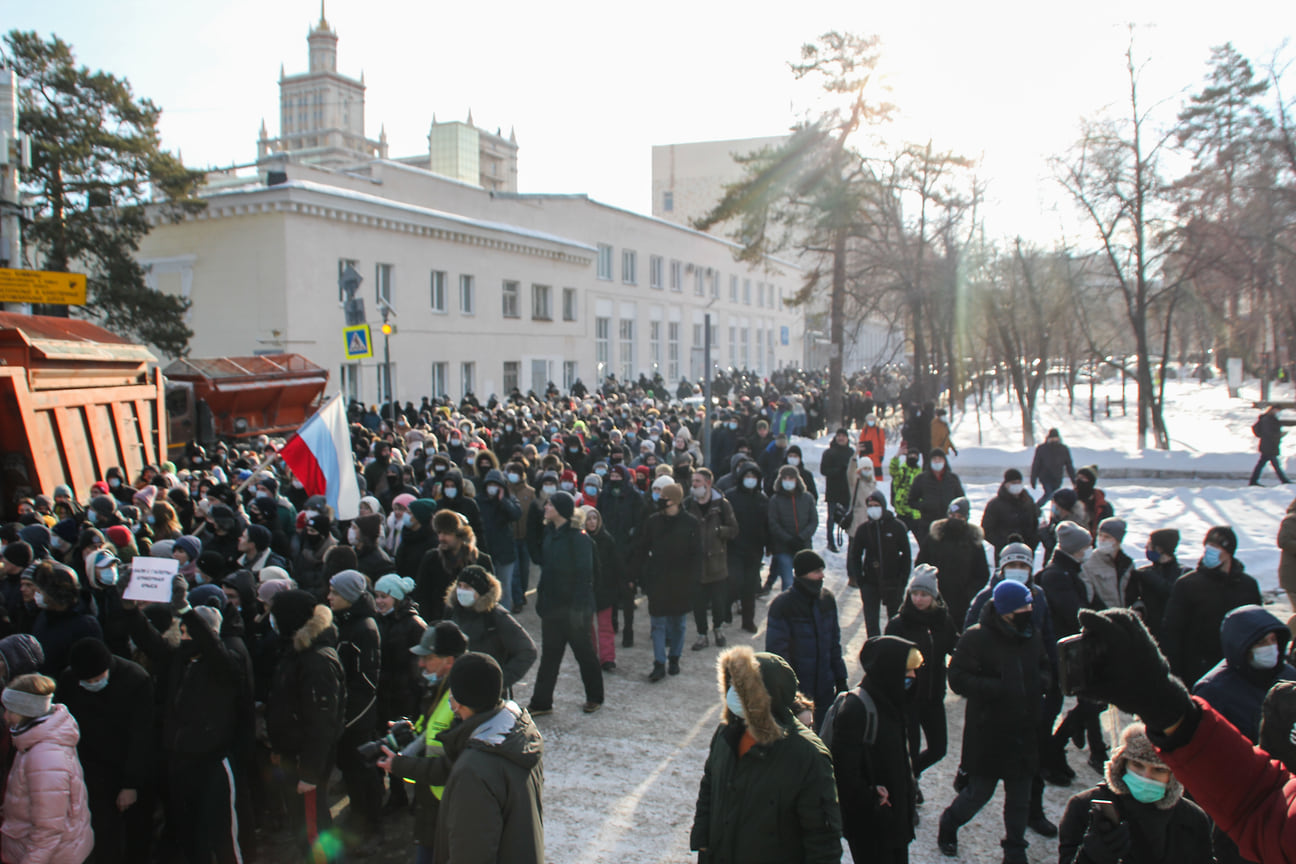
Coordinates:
668 201
655 272
627 349
677 276
769 301
468 377
467 304
569 304
512 369
629 267
760 293
541 303
512 303
569 374
747 291
733 345
699 287
733 289
697 337
780 303
383 283
672 350
438 291
654 345
760 350
350 380
715 284
343 264
602 353
440 374
605 262
746 354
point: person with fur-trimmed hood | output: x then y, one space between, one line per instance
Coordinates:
305 707
875 783
767 794
1157 824
955 547
473 602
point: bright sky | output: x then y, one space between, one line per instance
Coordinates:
590 89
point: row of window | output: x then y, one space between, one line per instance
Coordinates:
740 342
706 280
541 373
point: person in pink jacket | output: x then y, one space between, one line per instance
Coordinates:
46 816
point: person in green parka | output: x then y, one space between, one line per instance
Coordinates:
767 794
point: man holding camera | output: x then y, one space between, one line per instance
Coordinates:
437 652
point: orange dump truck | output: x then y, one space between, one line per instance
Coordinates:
75 400
240 397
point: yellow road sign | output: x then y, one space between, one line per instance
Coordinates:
359 342
42 286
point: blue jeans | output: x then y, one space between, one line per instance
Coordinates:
521 573
1049 489
504 573
781 566
670 627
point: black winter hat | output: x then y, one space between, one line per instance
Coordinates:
1165 538
89 658
563 503
1223 537
103 505
1277 723
444 639
1065 498
21 654
1012 475
476 681
806 561
18 554
37 537
259 535
292 609
476 577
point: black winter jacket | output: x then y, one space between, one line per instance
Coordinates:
1190 631
833 465
304 716
1007 514
360 650
879 553
567 575
1148 592
400 684
931 494
498 516
672 566
751 509
1180 835
492 630
1065 591
117 733
932 632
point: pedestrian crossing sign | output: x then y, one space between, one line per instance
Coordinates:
359 342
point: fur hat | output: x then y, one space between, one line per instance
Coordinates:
1134 744
59 585
476 681
450 522
672 493
1073 539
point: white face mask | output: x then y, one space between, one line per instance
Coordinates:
701 493
515 478
567 487
1017 574
1264 657
353 536
789 485
1108 545
549 490
874 512
938 464
466 596
451 492
492 490
1014 488
794 460
750 482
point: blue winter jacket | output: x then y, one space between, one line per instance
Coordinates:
802 628
1233 687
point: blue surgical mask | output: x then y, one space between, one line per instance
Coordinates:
1211 557
431 677
750 482
95 686
1145 791
602 472
656 496
1154 556
592 491
514 478
734 703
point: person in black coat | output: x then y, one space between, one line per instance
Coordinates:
111 699
1255 658
61 623
1190 631
622 508
878 560
473 603
1148 590
1157 824
955 547
400 686
1052 460
306 707
362 536
803 629
932 492
453 497
456 549
416 540
925 621
833 465
672 553
1011 512
1269 429
360 651
1000 666
747 550
875 784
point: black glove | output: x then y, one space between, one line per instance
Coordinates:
1132 673
1105 843
842 687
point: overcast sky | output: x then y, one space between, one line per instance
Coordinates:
591 86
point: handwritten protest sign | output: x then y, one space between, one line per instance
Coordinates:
151 580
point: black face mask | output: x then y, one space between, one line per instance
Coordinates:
1022 625
912 461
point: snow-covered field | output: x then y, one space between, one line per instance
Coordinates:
621 784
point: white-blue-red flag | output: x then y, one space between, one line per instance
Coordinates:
320 457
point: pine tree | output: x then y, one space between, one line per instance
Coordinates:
96 156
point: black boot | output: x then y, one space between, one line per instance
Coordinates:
947 839
674 665
658 672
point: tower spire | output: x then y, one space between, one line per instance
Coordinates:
323 19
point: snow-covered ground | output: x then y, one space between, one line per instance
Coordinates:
620 785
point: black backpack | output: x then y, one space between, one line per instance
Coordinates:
870 716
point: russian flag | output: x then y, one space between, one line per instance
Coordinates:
320 457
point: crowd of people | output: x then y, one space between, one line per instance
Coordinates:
385 647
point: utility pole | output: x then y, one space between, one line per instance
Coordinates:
706 390
15 155
388 329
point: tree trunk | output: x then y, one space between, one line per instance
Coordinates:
836 330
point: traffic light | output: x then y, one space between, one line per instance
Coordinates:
388 329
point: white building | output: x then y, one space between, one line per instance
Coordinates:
688 180
491 289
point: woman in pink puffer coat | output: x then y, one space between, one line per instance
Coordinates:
46 816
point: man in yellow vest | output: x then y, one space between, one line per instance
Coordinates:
437 651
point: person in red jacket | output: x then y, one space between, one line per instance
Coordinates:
1249 795
872 444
